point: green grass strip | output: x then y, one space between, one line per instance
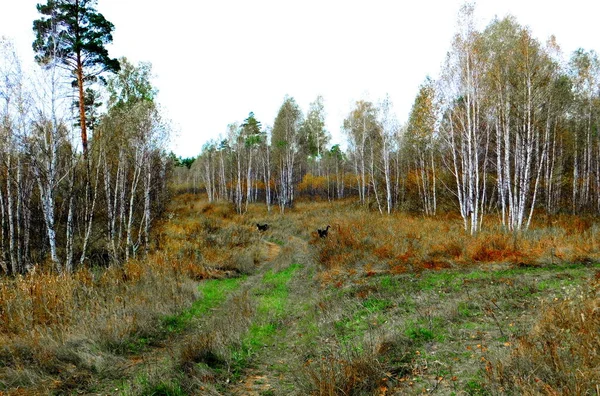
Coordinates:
274 300
214 292
454 279
272 304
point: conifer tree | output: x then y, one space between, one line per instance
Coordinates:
73 34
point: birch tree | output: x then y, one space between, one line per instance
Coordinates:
464 130
235 136
388 129
420 145
361 127
338 158
49 133
584 69
135 119
204 168
15 195
521 77
224 149
313 137
265 158
252 137
284 139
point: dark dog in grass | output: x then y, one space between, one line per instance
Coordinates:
323 233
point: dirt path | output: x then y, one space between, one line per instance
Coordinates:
161 358
261 355
254 383
269 372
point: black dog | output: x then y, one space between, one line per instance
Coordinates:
323 233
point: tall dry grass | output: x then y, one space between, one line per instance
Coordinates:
363 242
58 332
560 355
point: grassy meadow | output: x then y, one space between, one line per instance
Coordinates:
383 305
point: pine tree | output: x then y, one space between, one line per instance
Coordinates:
73 34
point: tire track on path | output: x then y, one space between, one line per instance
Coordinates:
163 355
260 377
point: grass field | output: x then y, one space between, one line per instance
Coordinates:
384 305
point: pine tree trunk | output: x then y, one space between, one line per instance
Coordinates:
82 120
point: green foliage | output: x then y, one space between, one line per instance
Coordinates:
388 283
258 336
475 387
250 133
162 388
376 305
336 152
313 136
273 302
282 277
180 161
276 241
92 106
354 325
419 334
137 345
285 128
131 85
132 112
187 162
464 309
73 35
442 279
251 126
421 122
73 32
361 124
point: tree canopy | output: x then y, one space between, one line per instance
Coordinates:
73 34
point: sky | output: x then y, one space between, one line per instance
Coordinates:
216 61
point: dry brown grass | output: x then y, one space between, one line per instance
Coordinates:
45 318
560 355
332 376
350 371
402 243
561 351
495 248
59 333
207 350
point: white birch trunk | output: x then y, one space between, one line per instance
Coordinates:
137 170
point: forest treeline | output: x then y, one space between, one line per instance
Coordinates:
83 163
510 127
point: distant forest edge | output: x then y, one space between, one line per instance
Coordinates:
511 128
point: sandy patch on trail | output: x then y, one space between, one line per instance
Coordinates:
271 251
254 384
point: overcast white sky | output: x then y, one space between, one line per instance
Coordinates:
215 61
